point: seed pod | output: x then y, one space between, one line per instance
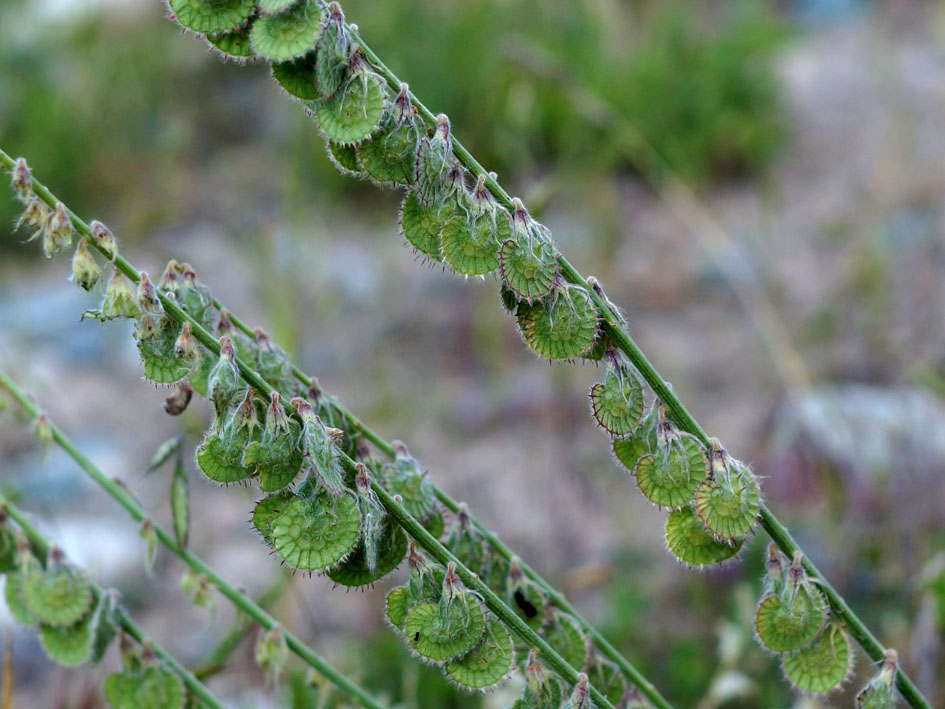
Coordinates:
15 588
567 639
487 665
669 477
272 7
822 666
233 44
525 597
120 300
335 49
57 232
276 458
542 690
607 679
59 594
266 511
271 653
688 540
388 156
445 632
220 456
354 112
421 224
176 403
43 432
85 271
434 161
289 34
528 261
73 645
580 696
21 180
617 402
316 535
784 624
146 687
563 327
223 382
465 541
159 352
402 477
344 158
359 569
297 77
879 692
35 216
104 239
205 16
729 501
426 578
319 455
470 245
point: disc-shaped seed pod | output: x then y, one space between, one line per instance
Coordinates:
289 34
786 622
669 477
14 589
344 158
58 595
525 597
148 687
389 156
640 442
879 692
426 578
617 402
465 541
421 224
354 112
272 7
823 665
276 457
402 477
70 645
356 570
396 606
335 49
564 327
266 511
162 364
234 44
688 540
297 77
207 16
220 455
607 678
487 665
568 640
316 535
528 269
471 245
433 163
728 503
440 635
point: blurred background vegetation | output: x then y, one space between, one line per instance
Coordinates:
759 183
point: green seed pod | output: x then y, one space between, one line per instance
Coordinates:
439 633
564 327
276 458
72 645
316 535
509 298
206 16
15 588
220 456
120 300
542 690
319 454
345 158
470 247
785 624
688 540
85 271
298 77
466 542
233 44
606 677
669 477
421 224
729 502
487 665
822 666
641 442
272 7
266 511
567 639
289 34
879 692
434 161
525 597
271 653
396 605
390 547
528 262
617 402
335 49
223 382
388 157
158 350
59 594
151 687
354 112
403 477
426 578
8 545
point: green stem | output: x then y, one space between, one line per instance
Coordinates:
238 598
679 413
42 544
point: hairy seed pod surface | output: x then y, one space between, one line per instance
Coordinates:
688 540
822 666
205 16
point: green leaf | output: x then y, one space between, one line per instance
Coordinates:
568 640
70 645
14 593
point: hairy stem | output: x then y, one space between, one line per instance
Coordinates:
235 596
621 337
41 543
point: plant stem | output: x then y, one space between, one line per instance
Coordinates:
39 541
238 598
618 333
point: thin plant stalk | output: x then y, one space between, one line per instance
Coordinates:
235 596
39 541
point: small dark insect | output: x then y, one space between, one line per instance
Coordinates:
416 637
528 608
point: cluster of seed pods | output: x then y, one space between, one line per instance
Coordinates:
77 622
